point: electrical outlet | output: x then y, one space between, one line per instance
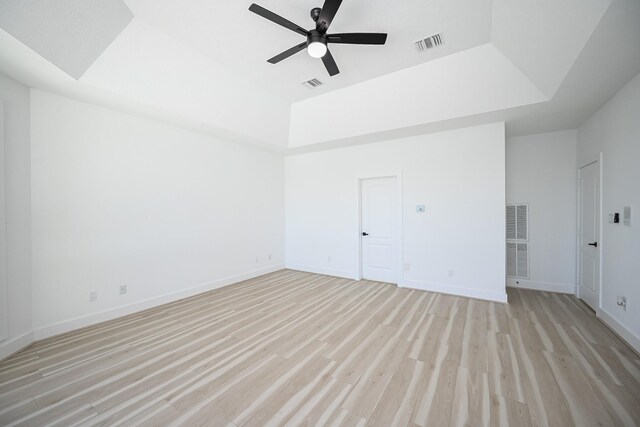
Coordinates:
328 259
257 260
622 302
93 295
407 266
123 289
450 273
269 257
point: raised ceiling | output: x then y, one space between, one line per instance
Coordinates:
69 33
243 41
202 64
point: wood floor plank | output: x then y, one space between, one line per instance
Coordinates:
506 412
435 401
471 399
278 406
395 407
364 397
623 368
301 349
546 402
324 405
585 407
504 370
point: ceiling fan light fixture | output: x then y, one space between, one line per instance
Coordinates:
317 49
317 38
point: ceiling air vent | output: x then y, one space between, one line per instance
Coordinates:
312 84
430 42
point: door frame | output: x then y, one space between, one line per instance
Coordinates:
397 241
590 160
4 278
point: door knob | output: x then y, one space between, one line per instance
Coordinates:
595 244
365 233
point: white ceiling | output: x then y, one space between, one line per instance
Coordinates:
544 37
473 81
537 64
68 33
242 41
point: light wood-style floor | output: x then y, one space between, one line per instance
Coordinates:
295 348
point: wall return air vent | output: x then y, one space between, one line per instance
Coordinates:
430 42
312 84
518 241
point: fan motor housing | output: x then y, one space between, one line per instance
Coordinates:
315 13
316 36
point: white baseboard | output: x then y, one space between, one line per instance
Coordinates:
562 288
456 290
322 270
81 322
12 346
631 339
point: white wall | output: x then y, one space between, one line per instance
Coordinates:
467 83
117 199
460 177
615 131
541 171
16 169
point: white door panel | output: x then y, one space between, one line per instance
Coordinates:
379 229
380 256
4 291
589 235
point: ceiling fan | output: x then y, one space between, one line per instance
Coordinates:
317 38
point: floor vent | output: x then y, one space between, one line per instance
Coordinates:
518 241
430 42
312 84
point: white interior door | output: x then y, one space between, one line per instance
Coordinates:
4 295
379 229
589 235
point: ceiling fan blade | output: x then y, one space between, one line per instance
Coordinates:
287 53
357 38
330 64
329 10
259 10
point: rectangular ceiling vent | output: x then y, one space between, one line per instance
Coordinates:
312 84
430 42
